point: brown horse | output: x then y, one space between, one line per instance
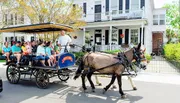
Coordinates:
108 64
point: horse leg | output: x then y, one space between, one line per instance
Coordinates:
90 81
83 81
119 79
97 81
109 85
132 83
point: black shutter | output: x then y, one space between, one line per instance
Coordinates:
120 4
120 39
6 39
84 8
143 35
107 37
16 38
127 4
107 5
140 34
142 3
127 36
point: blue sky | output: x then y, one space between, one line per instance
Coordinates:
160 3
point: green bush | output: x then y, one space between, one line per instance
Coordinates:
148 57
112 51
172 51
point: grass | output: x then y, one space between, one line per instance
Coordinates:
2 61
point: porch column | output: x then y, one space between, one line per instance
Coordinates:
84 34
142 33
110 37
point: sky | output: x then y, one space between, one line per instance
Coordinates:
160 3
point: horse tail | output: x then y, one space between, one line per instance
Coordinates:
79 70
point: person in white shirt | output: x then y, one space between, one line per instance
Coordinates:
63 41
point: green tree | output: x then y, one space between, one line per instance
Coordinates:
172 19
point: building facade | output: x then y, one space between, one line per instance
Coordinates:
108 20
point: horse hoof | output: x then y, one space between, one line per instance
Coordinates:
93 90
104 91
123 96
134 88
114 87
99 84
85 91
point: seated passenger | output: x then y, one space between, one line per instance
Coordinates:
49 52
56 48
16 50
41 54
33 47
23 47
6 50
29 48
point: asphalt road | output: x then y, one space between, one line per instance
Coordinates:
71 92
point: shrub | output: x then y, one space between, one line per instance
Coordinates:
112 51
148 57
172 51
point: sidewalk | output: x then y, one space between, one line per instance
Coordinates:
158 78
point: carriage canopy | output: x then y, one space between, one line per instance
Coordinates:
38 28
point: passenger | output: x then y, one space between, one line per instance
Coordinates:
6 50
56 48
34 47
16 50
41 54
24 49
29 48
63 41
49 52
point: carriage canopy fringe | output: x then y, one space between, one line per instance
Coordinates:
38 28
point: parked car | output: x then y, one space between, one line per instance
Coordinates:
1 85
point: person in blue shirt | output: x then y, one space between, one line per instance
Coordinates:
6 50
41 54
49 50
16 50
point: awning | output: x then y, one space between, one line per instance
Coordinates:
38 28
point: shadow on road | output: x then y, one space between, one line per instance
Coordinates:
16 93
110 97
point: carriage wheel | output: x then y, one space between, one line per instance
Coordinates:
63 75
42 79
13 73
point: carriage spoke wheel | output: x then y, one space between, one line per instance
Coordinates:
63 75
13 73
42 79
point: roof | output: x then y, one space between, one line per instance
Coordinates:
38 28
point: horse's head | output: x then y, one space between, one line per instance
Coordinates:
139 56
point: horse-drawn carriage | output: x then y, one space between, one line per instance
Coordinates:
41 73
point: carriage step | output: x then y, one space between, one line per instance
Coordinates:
26 73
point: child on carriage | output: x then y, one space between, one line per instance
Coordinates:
41 54
16 50
6 50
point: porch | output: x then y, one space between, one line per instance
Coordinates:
108 35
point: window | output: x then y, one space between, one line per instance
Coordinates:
6 19
84 9
134 4
142 3
120 6
16 19
134 36
155 19
162 19
107 5
11 21
114 6
127 6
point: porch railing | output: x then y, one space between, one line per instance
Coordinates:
114 15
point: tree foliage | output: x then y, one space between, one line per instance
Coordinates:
42 11
173 20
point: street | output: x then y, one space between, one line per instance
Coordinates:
71 92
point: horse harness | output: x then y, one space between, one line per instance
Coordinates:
122 61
